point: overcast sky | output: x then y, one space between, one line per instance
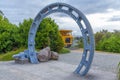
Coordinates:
102 14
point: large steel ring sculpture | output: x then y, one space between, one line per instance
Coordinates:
85 28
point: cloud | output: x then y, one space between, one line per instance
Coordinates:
101 13
66 22
115 18
95 6
101 21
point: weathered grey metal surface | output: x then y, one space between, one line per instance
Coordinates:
83 24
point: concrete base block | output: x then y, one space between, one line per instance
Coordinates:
22 61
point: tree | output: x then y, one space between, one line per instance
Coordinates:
8 35
47 34
108 41
24 31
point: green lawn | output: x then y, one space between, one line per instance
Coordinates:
8 56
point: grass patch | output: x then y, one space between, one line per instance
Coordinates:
64 50
8 56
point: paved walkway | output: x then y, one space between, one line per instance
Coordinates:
61 69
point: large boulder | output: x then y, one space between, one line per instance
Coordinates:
44 54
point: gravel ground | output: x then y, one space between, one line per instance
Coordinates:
103 68
52 70
102 60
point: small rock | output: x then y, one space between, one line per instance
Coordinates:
54 55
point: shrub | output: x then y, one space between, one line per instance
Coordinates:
108 41
64 50
12 37
47 34
24 31
9 37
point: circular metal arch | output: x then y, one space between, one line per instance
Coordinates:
85 28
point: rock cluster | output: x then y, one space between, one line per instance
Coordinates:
45 55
